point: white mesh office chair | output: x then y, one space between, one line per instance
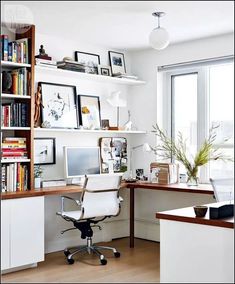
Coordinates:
99 199
223 189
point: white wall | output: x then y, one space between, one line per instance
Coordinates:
146 108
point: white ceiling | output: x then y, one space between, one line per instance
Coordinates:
125 24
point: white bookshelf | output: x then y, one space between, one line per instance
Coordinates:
14 96
15 161
93 77
15 128
88 131
10 64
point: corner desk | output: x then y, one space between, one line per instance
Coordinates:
60 190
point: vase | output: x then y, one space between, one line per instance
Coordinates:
37 182
192 180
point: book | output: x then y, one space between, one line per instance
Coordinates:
4 41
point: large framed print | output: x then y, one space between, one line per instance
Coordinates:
44 151
117 62
58 105
89 111
89 60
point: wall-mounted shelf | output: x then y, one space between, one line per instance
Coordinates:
93 77
13 96
14 64
88 131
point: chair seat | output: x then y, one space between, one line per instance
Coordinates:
75 215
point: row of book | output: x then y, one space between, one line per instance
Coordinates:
14 115
14 148
15 51
15 177
46 63
21 81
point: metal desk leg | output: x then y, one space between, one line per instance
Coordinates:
132 216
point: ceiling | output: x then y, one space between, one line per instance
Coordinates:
124 24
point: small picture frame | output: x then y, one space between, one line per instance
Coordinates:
89 60
44 151
58 105
117 62
105 124
104 70
89 112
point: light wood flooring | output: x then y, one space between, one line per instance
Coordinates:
139 264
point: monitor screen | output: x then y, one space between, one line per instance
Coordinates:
80 161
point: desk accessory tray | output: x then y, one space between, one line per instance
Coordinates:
221 211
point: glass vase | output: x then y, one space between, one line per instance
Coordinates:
192 180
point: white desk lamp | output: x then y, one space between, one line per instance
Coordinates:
146 148
116 101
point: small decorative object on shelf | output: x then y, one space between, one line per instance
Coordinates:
37 176
43 54
177 149
45 124
37 111
128 125
6 82
105 124
104 70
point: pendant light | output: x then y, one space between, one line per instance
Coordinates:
159 38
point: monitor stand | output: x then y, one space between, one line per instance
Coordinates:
76 181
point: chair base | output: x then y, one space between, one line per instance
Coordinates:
89 248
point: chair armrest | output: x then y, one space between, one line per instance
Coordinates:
120 199
69 198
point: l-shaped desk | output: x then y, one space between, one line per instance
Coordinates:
179 187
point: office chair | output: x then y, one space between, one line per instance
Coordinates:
99 199
223 189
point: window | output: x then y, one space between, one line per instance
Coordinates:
200 97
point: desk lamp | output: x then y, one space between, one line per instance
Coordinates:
116 101
146 148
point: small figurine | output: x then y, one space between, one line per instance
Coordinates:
43 54
37 110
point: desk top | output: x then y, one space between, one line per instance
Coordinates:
179 187
188 215
60 190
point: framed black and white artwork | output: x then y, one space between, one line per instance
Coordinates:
89 60
58 105
117 62
89 112
44 151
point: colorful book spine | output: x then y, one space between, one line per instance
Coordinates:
4 47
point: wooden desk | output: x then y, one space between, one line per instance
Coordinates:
60 190
178 187
200 249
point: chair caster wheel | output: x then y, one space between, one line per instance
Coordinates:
66 253
117 254
103 261
70 261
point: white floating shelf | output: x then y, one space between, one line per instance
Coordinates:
94 77
88 131
14 96
10 64
15 161
15 128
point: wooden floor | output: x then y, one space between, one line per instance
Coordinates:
139 264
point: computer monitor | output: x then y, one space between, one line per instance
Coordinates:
80 161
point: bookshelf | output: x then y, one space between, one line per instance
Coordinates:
24 130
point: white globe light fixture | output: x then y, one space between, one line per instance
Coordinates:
159 37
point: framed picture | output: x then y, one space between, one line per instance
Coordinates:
104 70
90 60
89 111
44 151
58 105
113 150
105 124
117 62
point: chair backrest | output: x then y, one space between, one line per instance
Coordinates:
223 189
100 196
